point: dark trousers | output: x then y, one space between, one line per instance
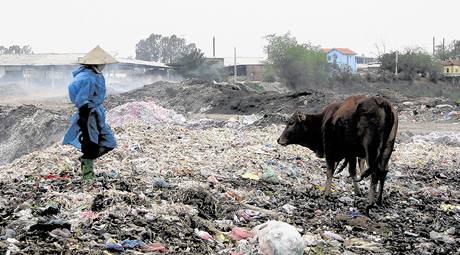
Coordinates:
90 150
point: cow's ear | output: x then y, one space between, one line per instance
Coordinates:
301 117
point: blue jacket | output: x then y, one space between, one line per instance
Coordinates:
88 87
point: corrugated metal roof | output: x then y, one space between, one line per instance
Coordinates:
141 62
61 59
39 59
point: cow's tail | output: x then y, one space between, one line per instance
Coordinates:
387 140
389 135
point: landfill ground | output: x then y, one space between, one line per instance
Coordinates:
34 124
198 182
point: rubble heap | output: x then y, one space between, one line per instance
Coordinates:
196 96
143 112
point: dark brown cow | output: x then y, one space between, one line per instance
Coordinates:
358 127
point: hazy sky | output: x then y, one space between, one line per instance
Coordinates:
77 26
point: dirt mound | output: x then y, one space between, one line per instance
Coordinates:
28 128
197 96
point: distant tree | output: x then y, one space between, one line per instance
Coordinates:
16 49
186 64
268 74
449 51
278 45
166 49
26 49
411 62
299 65
195 65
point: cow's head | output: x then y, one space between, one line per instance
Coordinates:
295 131
305 130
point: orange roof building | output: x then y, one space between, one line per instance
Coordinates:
343 58
344 51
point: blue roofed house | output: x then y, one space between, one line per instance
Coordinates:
342 57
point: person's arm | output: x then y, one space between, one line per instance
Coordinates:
85 89
99 93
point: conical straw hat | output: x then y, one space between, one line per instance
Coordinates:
97 56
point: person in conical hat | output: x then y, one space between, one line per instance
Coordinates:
88 130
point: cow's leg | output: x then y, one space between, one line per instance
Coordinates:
364 175
372 190
371 147
330 164
373 169
352 171
383 168
382 177
362 165
344 164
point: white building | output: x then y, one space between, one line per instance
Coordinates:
55 70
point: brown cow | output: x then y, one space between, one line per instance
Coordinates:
358 127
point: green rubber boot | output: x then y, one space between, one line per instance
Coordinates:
87 167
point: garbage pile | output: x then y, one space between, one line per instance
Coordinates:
445 138
429 110
143 112
150 113
177 188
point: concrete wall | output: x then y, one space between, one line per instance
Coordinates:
254 72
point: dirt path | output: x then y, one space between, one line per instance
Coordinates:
427 127
414 127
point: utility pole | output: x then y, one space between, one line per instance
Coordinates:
235 74
396 63
213 46
433 46
443 49
455 49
